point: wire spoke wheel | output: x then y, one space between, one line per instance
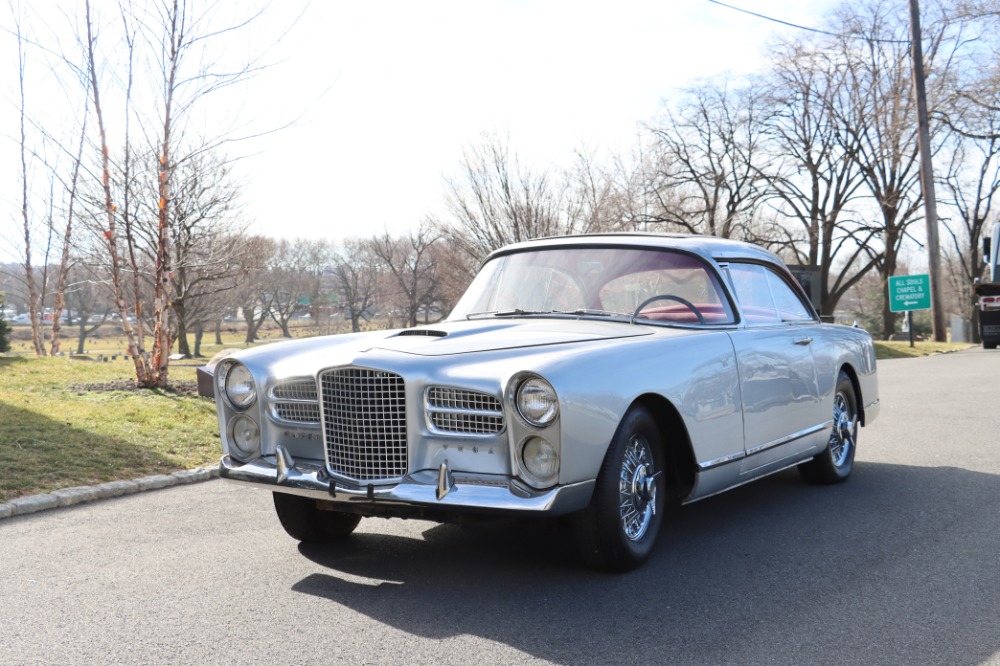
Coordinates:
637 488
835 463
618 530
845 428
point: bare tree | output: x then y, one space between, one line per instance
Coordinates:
602 197
496 201
173 40
253 296
294 278
86 296
34 294
815 179
881 127
409 261
707 161
206 229
356 277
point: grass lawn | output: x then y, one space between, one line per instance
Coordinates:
67 423
902 349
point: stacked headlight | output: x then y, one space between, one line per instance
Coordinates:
237 387
244 435
236 384
537 402
541 459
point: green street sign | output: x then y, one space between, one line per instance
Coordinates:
909 292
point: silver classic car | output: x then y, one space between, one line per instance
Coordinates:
596 377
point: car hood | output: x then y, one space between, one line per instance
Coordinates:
494 335
304 357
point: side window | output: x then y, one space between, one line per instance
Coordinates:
752 290
790 307
765 298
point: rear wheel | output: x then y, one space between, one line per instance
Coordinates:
836 461
618 530
304 520
989 345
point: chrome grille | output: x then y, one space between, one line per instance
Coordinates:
295 402
298 390
464 412
297 412
364 416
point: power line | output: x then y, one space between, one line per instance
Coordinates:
802 27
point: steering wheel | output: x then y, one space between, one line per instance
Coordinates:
669 297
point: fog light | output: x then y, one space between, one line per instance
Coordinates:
540 459
244 435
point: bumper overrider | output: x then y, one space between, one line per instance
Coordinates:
432 490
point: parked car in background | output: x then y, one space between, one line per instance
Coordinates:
597 377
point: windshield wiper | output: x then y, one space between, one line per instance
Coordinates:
502 313
515 312
587 312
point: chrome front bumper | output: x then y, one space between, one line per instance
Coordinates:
437 490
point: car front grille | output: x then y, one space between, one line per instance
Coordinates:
296 402
460 411
364 423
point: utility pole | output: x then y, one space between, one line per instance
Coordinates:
926 173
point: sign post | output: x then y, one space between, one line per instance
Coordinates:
908 293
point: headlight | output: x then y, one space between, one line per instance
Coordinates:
541 459
244 435
537 402
237 385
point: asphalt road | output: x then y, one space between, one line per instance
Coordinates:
901 565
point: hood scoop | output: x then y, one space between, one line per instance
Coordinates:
422 332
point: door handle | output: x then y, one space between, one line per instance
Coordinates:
804 341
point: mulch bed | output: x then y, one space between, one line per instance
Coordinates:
185 387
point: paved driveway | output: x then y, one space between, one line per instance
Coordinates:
901 565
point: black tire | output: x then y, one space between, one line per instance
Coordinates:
835 463
989 345
618 530
305 521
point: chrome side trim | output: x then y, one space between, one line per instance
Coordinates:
790 438
742 483
308 478
718 462
710 464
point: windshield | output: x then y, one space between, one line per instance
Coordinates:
655 285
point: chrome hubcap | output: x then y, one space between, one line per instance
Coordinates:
637 488
845 427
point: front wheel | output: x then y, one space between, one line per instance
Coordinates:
619 528
836 461
304 520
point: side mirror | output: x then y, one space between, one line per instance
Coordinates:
986 249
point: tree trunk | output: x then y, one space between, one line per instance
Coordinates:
81 339
199 333
218 332
182 341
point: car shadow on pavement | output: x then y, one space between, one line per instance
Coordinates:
898 565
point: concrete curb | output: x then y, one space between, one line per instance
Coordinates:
70 496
